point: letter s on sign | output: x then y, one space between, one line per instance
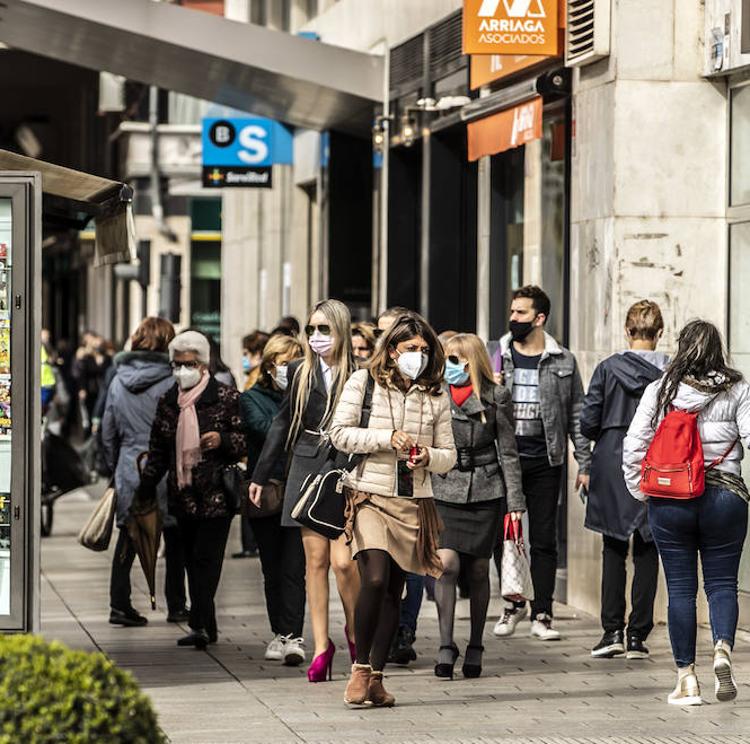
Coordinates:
253 148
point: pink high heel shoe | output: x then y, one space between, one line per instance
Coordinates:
321 668
352 646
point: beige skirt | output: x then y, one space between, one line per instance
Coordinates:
407 529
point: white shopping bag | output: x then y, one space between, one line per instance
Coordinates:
515 581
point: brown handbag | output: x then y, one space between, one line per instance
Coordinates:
271 501
97 532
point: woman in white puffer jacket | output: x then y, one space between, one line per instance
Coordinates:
713 525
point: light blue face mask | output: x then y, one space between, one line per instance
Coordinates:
455 374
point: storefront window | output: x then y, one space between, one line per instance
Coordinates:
739 332
205 288
740 146
5 413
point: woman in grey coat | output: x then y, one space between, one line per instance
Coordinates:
474 497
143 376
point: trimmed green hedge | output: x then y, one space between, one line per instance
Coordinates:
49 693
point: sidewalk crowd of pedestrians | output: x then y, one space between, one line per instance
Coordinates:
437 446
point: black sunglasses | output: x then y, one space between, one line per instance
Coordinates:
189 365
324 329
453 359
378 332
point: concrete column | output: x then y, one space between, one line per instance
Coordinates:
484 246
648 203
237 10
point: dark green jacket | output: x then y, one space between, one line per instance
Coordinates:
259 406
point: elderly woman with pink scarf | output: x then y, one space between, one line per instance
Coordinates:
197 432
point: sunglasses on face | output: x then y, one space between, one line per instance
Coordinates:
378 332
453 359
189 365
325 330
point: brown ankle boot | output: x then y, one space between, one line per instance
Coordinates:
377 694
359 684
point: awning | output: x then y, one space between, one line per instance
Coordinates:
299 81
71 199
504 131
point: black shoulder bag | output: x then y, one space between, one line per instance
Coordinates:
322 503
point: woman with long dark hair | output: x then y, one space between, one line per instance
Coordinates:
393 524
315 386
713 525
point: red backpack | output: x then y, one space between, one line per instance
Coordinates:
674 466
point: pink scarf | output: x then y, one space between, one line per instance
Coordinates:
188 432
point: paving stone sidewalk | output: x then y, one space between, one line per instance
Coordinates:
530 693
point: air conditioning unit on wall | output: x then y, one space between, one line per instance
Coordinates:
587 32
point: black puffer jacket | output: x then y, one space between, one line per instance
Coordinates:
614 393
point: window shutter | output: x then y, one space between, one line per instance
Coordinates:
587 31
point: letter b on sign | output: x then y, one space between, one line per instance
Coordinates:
254 147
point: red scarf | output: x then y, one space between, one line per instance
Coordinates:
461 394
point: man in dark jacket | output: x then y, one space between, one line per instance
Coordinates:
547 392
615 391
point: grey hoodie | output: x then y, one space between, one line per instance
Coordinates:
142 378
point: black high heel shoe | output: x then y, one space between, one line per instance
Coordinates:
472 671
445 671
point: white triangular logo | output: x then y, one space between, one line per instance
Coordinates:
514 8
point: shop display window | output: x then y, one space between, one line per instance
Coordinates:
5 411
740 146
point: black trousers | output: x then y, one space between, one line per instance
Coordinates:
645 580
247 538
205 541
122 563
282 559
541 484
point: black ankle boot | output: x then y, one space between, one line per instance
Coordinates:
472 671
445 671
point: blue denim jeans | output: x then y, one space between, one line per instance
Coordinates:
714 525
411 604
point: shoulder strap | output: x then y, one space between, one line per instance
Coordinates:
721 459
364 420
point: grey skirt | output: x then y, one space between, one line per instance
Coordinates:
471 529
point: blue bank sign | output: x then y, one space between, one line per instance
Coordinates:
240 152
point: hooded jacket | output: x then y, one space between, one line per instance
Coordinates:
614 393
724 417
141 378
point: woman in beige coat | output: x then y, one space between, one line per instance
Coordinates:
393 524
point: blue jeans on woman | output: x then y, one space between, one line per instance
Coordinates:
714 525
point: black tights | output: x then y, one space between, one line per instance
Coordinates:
377 611
478 575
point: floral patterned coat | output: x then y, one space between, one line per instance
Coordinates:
218 410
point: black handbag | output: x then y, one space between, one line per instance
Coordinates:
235 485
322 503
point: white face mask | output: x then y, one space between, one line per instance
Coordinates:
281 376
187 377
413 363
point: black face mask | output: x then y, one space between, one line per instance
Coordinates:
520 330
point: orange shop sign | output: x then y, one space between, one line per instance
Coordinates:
511 27
506 130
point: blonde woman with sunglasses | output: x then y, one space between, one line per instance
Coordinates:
473 498
315 385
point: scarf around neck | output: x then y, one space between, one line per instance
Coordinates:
188 440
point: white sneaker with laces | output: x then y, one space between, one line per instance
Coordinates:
725 685
506 625
275 648
294 651
541 628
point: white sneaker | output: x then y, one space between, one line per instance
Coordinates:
294 651
725 686
506 625
687 692
275 648
541 628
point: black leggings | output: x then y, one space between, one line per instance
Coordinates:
477 573
377 611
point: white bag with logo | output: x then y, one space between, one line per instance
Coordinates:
515 581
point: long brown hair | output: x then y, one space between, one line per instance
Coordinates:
339 318
470 347
384 368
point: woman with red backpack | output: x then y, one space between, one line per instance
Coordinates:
683 453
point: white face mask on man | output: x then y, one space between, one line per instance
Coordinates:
187 377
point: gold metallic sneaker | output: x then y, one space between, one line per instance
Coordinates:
725 686
688 691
